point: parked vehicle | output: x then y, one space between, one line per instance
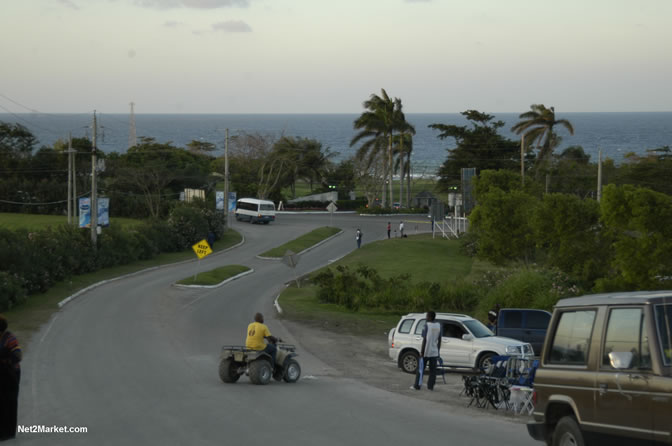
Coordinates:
466 342
525 325
255 211
606 370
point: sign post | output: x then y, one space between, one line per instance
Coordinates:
291 259
202 249
331 208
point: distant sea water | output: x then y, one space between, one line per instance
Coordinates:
615 133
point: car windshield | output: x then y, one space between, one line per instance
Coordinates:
478 329
664 324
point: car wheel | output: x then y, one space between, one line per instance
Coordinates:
567 433
260 372
409 361
228 371
485 361
292 371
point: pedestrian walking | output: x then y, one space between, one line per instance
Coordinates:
431 350
389 229
10 375
358 237
401 229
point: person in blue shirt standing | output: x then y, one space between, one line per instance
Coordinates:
431 350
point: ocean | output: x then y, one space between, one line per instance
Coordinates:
615 133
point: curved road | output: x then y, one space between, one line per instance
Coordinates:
135 362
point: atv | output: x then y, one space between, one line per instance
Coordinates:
237 360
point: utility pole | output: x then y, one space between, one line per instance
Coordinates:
522 157
599 175
132 139
74 186
70 178
226 179
94 191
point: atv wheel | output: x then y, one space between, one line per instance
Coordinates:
228 371
260 372
292 371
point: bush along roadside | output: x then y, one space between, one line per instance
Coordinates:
364 289
31 262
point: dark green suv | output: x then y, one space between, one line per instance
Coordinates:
606 370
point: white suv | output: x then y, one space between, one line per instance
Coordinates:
466 342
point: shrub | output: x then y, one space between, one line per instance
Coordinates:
11 291
188 225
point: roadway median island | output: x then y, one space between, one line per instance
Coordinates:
215 277
302 243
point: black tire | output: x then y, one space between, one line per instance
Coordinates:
567 433
409 361
260 372
292 371
484 361
266 222
228 371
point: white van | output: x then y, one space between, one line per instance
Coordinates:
255 211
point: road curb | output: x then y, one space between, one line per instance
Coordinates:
72 297
230 279
313 212
276 303
307 249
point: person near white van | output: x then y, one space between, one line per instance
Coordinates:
431 348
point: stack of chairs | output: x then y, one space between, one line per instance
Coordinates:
491 387
506 383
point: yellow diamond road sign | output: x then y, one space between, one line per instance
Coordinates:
202 249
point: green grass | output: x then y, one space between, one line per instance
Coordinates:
424 258
35 222
215 276
26 318
300 304
303 242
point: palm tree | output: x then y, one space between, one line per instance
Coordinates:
377 125
537 126
404 147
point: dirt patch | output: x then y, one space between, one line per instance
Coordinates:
365 358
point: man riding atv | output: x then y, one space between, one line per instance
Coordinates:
258 359
257 332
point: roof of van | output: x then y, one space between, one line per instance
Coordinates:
255 200
619 298
455 315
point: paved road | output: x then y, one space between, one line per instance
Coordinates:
135 361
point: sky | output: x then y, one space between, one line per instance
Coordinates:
326 56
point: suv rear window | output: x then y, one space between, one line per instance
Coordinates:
626 332
572 338
405 326
664 325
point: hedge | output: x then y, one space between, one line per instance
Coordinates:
32 262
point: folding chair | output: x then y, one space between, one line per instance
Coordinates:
440 369
523 401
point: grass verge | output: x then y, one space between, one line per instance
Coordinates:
36 222
215 276
25 319
303 242
424 258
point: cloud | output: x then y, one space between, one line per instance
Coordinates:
69 4
417 1
172 24
194 4
232 26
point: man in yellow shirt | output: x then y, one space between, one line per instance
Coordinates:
257 332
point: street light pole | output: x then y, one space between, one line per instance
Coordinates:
226 179
94 191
